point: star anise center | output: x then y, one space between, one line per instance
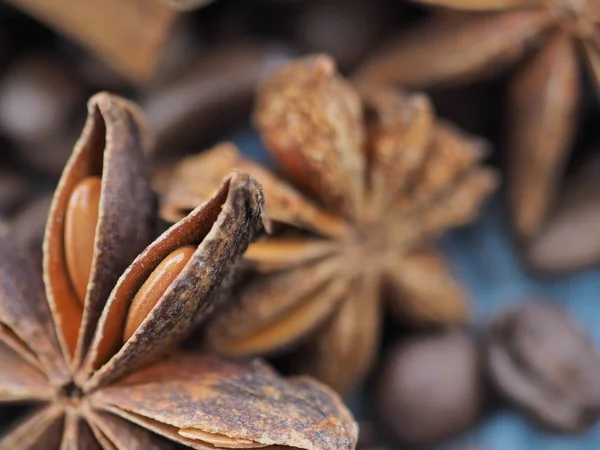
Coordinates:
71 393
372 247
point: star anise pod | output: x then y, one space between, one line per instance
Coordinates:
374 192
483 37
98 356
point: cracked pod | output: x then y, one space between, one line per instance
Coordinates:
97 354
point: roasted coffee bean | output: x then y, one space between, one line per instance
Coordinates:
540 360
430 388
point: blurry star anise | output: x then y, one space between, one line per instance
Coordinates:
543 96
376 192
91 355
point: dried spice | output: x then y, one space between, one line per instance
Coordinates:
374 194
138 29
92 353
543 95
544 363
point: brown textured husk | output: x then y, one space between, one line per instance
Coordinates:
400 129
274 255
255 300
288 328
310 118
243 390
426 178
283 203
450 155
223 227
349 340
39 370
77 434
124 435
111 146
24 381
424 289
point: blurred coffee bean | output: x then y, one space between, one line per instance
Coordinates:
430 388
571 239
216 92
541 361
345 29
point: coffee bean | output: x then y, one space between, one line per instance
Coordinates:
430 388
541 361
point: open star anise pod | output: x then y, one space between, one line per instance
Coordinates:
543 95
374 192
97 354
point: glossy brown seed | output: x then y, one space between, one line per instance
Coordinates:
155 286
81 219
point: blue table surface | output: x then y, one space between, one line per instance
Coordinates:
484 258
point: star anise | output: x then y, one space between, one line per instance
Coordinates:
375 191
485 37
92 354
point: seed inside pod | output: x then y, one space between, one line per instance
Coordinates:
219 440
81 218
155 286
